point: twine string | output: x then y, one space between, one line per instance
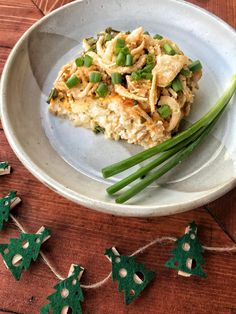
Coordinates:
138 251
97 284
52 268
220 249
155 241
44 257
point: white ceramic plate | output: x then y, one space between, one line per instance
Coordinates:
69 159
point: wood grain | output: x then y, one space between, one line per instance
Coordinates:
223 210
226 10
46 6
15 18
81 235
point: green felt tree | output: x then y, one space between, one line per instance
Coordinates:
68 295
4 168
132 277
5 206
19 253
3 165
187 255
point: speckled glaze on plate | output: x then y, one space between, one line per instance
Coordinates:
69 159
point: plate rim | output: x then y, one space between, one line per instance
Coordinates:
102 206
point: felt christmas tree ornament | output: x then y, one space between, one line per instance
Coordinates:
7 203
4 168
68 294
132 277
187 255
19 253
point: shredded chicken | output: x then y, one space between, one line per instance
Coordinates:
86 45
99 46
175 111
108 55
135 35
153 92
77 94
134 78
167 68
122 91
138 50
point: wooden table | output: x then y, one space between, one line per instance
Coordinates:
81 235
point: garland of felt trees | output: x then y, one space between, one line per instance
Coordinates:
132 277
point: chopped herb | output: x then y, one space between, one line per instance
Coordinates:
164 111
120 60
136 76
111 30
125 50
129 60
144 73
93 48
95 77
72 81
177 85
195 66
185 72
102 90
88 61
157 36
146 33
53 95
169 50
116 78
91 41
98 129
108 37
108 30
136 102
146 76
150 59
79 61
120 44
148 67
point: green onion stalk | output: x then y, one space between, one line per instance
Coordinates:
168 144
181 155
153 164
